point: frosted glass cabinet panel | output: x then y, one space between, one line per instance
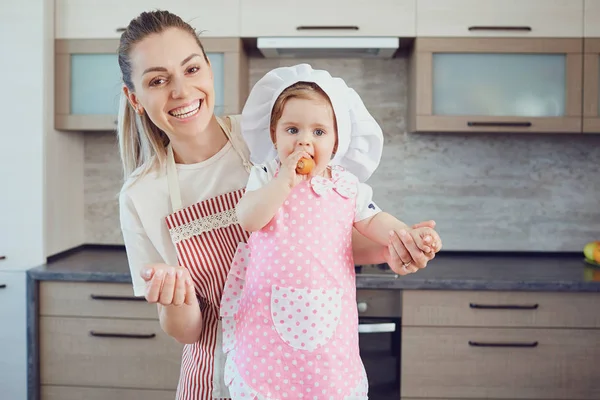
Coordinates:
88 81
528 85
496 84
591 86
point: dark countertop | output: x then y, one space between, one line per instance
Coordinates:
448 271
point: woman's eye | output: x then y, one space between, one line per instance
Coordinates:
319 132
292 130
193 70
157 81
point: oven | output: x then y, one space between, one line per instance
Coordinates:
379 313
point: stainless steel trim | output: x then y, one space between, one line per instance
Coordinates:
377 328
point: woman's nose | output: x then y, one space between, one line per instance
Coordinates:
180 89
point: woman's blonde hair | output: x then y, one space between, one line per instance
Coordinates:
299 90
142 145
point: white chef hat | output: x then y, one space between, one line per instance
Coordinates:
360 139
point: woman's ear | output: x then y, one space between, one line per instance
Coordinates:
133 100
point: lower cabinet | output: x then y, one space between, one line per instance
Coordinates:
97 341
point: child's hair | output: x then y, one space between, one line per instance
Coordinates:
141 142
299 90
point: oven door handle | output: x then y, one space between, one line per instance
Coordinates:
377 328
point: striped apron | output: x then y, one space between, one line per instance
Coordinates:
206 235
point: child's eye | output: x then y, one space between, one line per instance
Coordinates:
319 132
292 130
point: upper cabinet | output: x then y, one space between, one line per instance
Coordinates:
88 81
479 18
328 18
106 19
591 86
496 84
591 19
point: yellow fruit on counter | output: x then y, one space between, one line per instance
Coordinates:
591 251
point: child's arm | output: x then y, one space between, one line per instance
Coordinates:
257 207
379 226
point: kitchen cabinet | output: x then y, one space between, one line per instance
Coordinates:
496 84
106 19
97 340
509 345
591 20
328 18
591 86
506 18
88 81
13 335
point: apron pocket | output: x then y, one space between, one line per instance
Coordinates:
305 319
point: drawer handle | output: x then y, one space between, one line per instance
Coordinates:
503 306
116 298
2 286
2 258
525 124
500 28
327 28
123 335
503 344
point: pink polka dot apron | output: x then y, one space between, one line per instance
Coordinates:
206 235
290 322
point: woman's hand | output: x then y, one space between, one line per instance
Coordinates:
404 256
168 285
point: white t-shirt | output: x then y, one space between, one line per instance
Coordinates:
261 174
145 204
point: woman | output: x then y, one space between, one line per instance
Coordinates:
185 170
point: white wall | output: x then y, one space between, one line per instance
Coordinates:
22 29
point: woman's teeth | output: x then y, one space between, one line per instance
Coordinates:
186 112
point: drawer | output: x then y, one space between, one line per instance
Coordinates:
457 363
526 18
83 299
501 309
88 393
116 353
379 303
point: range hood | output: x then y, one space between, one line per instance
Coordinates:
329 47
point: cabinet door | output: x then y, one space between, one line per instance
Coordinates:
526 18
591 20
105 19
13 335
521 85
591 86
328 18
89 86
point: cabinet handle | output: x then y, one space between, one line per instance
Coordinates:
500 28
503 344
123 335
2 258
525 124
503 306
327 28
120 30
2 286
116 298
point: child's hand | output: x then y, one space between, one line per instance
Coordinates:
287 172
426 239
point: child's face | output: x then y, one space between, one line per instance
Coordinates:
307 124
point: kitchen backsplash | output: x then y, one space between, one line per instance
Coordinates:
485 191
